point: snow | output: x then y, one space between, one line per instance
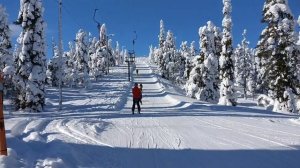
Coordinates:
96 129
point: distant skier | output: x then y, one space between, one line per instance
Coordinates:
141 88
137 71
136 95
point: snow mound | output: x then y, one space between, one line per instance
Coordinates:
265 101
34 136
295 121
11 160
50 163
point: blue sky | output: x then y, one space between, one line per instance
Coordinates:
122 17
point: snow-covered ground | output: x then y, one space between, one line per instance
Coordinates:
96 129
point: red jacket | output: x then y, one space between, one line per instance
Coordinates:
136 93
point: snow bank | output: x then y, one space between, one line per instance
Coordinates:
50 163
11 160
265 101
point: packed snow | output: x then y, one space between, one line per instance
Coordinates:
96 129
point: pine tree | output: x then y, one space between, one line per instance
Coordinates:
209 91
71 69
167 66
53 68
298 49
195 81
151 54
92 57
117 54
277 52
103 50
192 49
81 57
183 56
243 65
31 62
6 56
227 90
299 32
188 60
218 44
160 50
111 54
161 37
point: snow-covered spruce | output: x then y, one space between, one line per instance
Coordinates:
277 51
6 59
170 64
70 70
243 60
166 55
81 59
227 90
195 81
6 56
159 58
93 57
151 54
209 91
53 67
31 62
188 55
103 53
117 54
299 32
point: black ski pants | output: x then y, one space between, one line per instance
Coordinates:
136 102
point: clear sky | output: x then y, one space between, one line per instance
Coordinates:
122 17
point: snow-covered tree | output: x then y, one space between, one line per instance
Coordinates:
81 59
188 60
195 81
31 62
92 48
218 44
192 49
298 43
111 54
161 42
243 65
104 53
277 51
162 36
71 69
299 32
167 64
117 54
92 56
53 68
209 91
6 56
227 90
184 49
151 54
183 61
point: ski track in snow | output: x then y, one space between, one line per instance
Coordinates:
65 127
165 124
241 131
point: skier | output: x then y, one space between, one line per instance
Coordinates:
141 88
136 95
137 71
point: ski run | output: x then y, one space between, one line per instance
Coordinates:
96 129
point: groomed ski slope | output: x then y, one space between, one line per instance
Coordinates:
172 132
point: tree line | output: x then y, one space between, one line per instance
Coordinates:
219 73
26 69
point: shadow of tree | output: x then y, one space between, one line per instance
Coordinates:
85 155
